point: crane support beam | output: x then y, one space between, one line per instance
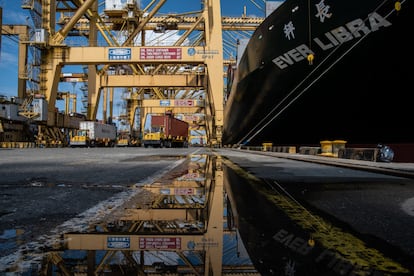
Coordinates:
162 109
183 106
22 31
99 241
159 214
136 54
189 80
186 23
227 22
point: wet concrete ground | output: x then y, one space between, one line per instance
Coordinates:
42 188
62 191
50 191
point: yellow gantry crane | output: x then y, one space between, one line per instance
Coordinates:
172 61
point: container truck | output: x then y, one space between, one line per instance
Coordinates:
94 134
123 139
165 131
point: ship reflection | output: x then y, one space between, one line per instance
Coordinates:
285 235
179 225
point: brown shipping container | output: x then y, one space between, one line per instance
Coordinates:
172 126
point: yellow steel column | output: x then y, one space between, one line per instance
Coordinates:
50 71
93 82
74 103
94 94
132 105
105 104
22 62
51 61
111 103
214 62
49 16
108 98
23 32
214 235
66 96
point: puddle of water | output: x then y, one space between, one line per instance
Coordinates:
182 226
285 238
10 239
9 233
209 218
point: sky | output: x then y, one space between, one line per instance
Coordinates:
13 14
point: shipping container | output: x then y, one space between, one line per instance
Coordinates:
165 131
92 133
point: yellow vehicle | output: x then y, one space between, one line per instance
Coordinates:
165 131
94 134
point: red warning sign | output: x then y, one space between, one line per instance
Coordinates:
160 53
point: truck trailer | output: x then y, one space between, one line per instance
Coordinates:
165 131
94 134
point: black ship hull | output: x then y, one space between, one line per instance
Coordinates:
356 88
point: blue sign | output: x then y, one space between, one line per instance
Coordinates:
118 242
191 51
119 54
164 102
165 191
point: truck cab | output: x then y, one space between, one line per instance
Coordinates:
80 138
94 134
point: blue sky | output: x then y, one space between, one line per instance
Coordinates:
14 14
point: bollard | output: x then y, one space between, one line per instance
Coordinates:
267 146
326 148
338 145
292 150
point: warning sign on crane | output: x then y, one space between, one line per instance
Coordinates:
160 53
159 243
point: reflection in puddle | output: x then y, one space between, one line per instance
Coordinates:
283 237
11 233
184 225
205 219
11 238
